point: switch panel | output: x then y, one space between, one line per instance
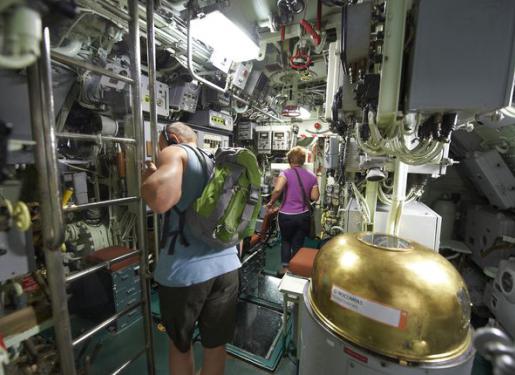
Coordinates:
184 96
281 141
264 145
162 96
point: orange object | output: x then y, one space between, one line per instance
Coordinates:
120 163
302 263
110 253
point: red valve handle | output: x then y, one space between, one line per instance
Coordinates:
311 31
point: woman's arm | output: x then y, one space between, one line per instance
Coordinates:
315 193
278 189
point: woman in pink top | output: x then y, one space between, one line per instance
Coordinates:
294 212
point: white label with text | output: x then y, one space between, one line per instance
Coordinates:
372 310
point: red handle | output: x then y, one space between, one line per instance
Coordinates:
309 29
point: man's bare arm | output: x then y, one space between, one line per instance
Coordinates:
161 190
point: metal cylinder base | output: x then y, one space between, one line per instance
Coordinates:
322 352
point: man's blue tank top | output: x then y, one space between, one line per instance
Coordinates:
197 262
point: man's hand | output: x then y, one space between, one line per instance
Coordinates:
149 170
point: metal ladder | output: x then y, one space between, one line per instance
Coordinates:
43 128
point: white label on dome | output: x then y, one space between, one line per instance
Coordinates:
372 310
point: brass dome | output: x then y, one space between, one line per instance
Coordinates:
391 296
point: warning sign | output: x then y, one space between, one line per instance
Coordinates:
372 310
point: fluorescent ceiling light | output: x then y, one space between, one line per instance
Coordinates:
224 36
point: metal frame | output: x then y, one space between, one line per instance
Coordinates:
97 138
43 127
151 65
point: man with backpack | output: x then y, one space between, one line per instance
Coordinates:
197 283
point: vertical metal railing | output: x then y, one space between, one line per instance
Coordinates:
43 124
139 133
151 62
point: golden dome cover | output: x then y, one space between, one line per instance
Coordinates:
391 296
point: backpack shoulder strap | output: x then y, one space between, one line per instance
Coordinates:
304 195
179 233
201 156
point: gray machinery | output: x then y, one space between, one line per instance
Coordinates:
281 140
502 299
184 96
162 97
494 345
212 119
264 142
415 215
246 131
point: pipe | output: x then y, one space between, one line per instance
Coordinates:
111 202
319 15
42 118
70 61
391 68
371 190
71 49
137 118
99 138
120 369
211 84
79 275
151 64
398 198
86 335
40 90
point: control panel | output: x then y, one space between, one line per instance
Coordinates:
246 131
120 65
264 142
281 141
162 97
211 142
212 119
184 96
220 120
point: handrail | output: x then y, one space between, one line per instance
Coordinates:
151 65
95 137
39 79
111 202
70 61
127 363
86 335
79 275
139 135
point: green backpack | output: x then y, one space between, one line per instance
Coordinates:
227 210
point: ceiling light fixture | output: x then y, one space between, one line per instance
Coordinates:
224 36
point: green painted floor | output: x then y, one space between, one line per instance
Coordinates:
113 350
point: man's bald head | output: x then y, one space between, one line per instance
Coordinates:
184 133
